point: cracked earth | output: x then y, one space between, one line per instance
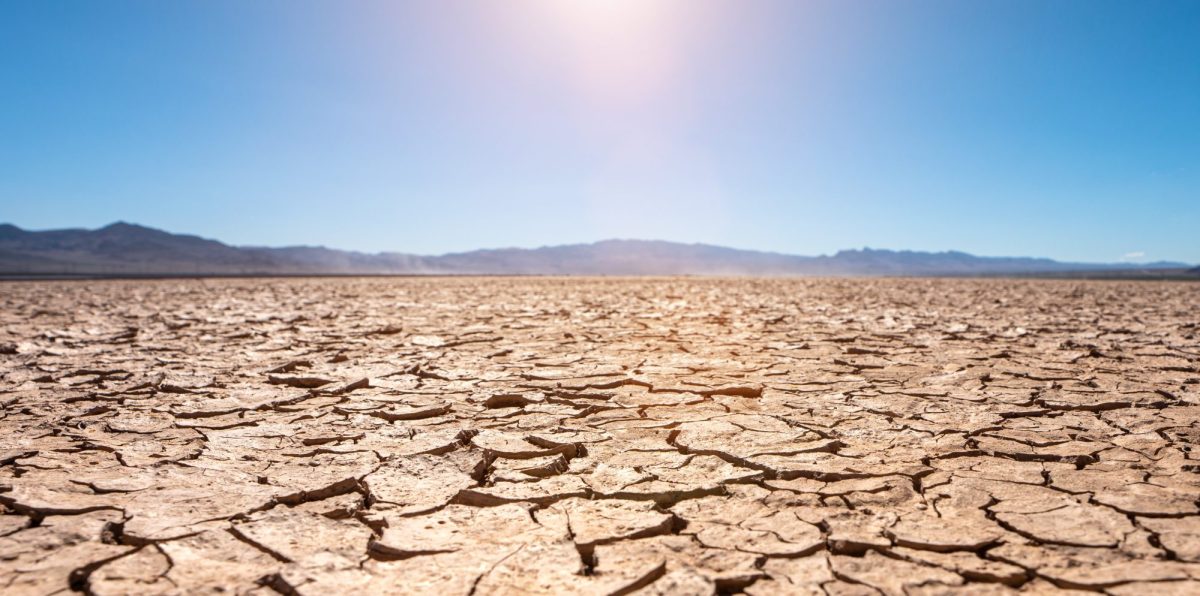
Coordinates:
599 436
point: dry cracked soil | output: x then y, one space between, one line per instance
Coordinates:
599 436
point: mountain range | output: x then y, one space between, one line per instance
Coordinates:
123 249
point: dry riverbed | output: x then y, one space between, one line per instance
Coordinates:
606 436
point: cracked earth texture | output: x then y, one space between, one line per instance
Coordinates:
599 436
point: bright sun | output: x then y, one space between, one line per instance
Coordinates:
608 14
623 50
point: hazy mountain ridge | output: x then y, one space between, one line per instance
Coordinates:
128 249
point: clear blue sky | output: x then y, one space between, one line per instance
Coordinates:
1066 128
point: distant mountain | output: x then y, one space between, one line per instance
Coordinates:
128 249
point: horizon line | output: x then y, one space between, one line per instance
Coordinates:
864 249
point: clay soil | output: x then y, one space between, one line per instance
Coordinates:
599 436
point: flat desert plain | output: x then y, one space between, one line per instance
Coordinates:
606 436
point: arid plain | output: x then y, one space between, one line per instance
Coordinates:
599 436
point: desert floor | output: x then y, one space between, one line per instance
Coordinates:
556 435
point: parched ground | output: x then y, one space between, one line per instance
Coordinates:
524 436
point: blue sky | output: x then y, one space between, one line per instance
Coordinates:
1068 128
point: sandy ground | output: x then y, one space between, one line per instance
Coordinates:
513 436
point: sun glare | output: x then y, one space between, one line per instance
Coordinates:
622 52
